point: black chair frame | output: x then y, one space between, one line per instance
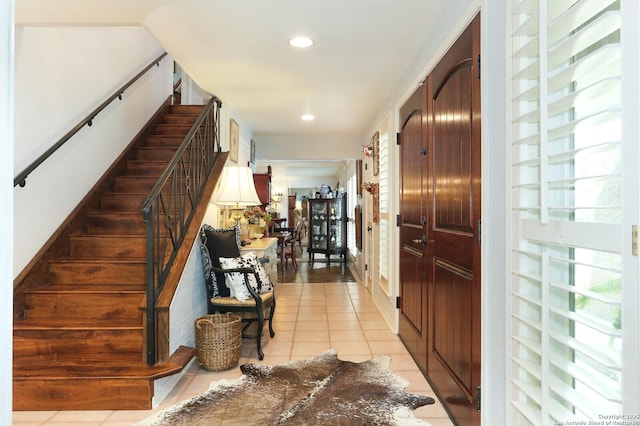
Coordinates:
257 304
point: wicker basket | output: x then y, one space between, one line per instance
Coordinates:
218 341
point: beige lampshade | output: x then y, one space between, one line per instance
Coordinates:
236 188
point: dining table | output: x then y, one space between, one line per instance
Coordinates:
276 223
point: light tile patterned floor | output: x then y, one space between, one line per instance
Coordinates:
310 318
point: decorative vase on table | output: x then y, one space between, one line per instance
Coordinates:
256 231
258 220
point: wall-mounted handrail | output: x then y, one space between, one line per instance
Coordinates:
21 178
171 204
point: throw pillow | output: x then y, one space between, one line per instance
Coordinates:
221 243
207 270
264 281
235 280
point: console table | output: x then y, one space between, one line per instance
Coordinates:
266 247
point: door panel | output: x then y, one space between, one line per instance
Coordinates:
453 335
453 133
413 286
452 169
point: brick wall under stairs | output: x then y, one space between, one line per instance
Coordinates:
80 342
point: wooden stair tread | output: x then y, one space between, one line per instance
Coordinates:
98 260
96 212
148 162
89 288
151 162
113 235
125 194
102 259
166 140
106 369
180 125
71 324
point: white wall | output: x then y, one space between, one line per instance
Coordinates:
6 212
62 74
494 207
188 305
246 133
316 147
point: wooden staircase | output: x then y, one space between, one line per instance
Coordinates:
79 343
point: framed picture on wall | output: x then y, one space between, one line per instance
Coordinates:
253 151
234 140
376 154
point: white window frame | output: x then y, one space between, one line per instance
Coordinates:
497 225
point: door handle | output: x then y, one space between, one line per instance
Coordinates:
369 229
422 241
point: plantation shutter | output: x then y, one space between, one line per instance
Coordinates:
384 202
565 288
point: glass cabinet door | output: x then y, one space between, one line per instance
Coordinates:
336 225
318 229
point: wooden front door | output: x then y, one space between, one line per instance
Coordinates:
440 227
413 229
453 123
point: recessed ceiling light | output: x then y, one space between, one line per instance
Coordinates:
301 42
308 117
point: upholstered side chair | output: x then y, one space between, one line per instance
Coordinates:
254 293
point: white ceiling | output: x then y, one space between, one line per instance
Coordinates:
237 50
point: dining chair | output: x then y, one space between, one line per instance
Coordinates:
287 250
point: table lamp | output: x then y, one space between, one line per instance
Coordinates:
236 191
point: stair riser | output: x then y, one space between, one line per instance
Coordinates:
132 248
164 141
106 306
122 202
172 129
187 109
155 154
37 346
146 168
106 246
182 119
82 394
96 273
116 224
131 185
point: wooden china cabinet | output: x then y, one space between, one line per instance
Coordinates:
291 211
262 182
328 227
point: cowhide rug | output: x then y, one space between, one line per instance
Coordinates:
320 391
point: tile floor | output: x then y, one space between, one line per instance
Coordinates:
309 319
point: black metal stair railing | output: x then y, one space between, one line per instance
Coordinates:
170 206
